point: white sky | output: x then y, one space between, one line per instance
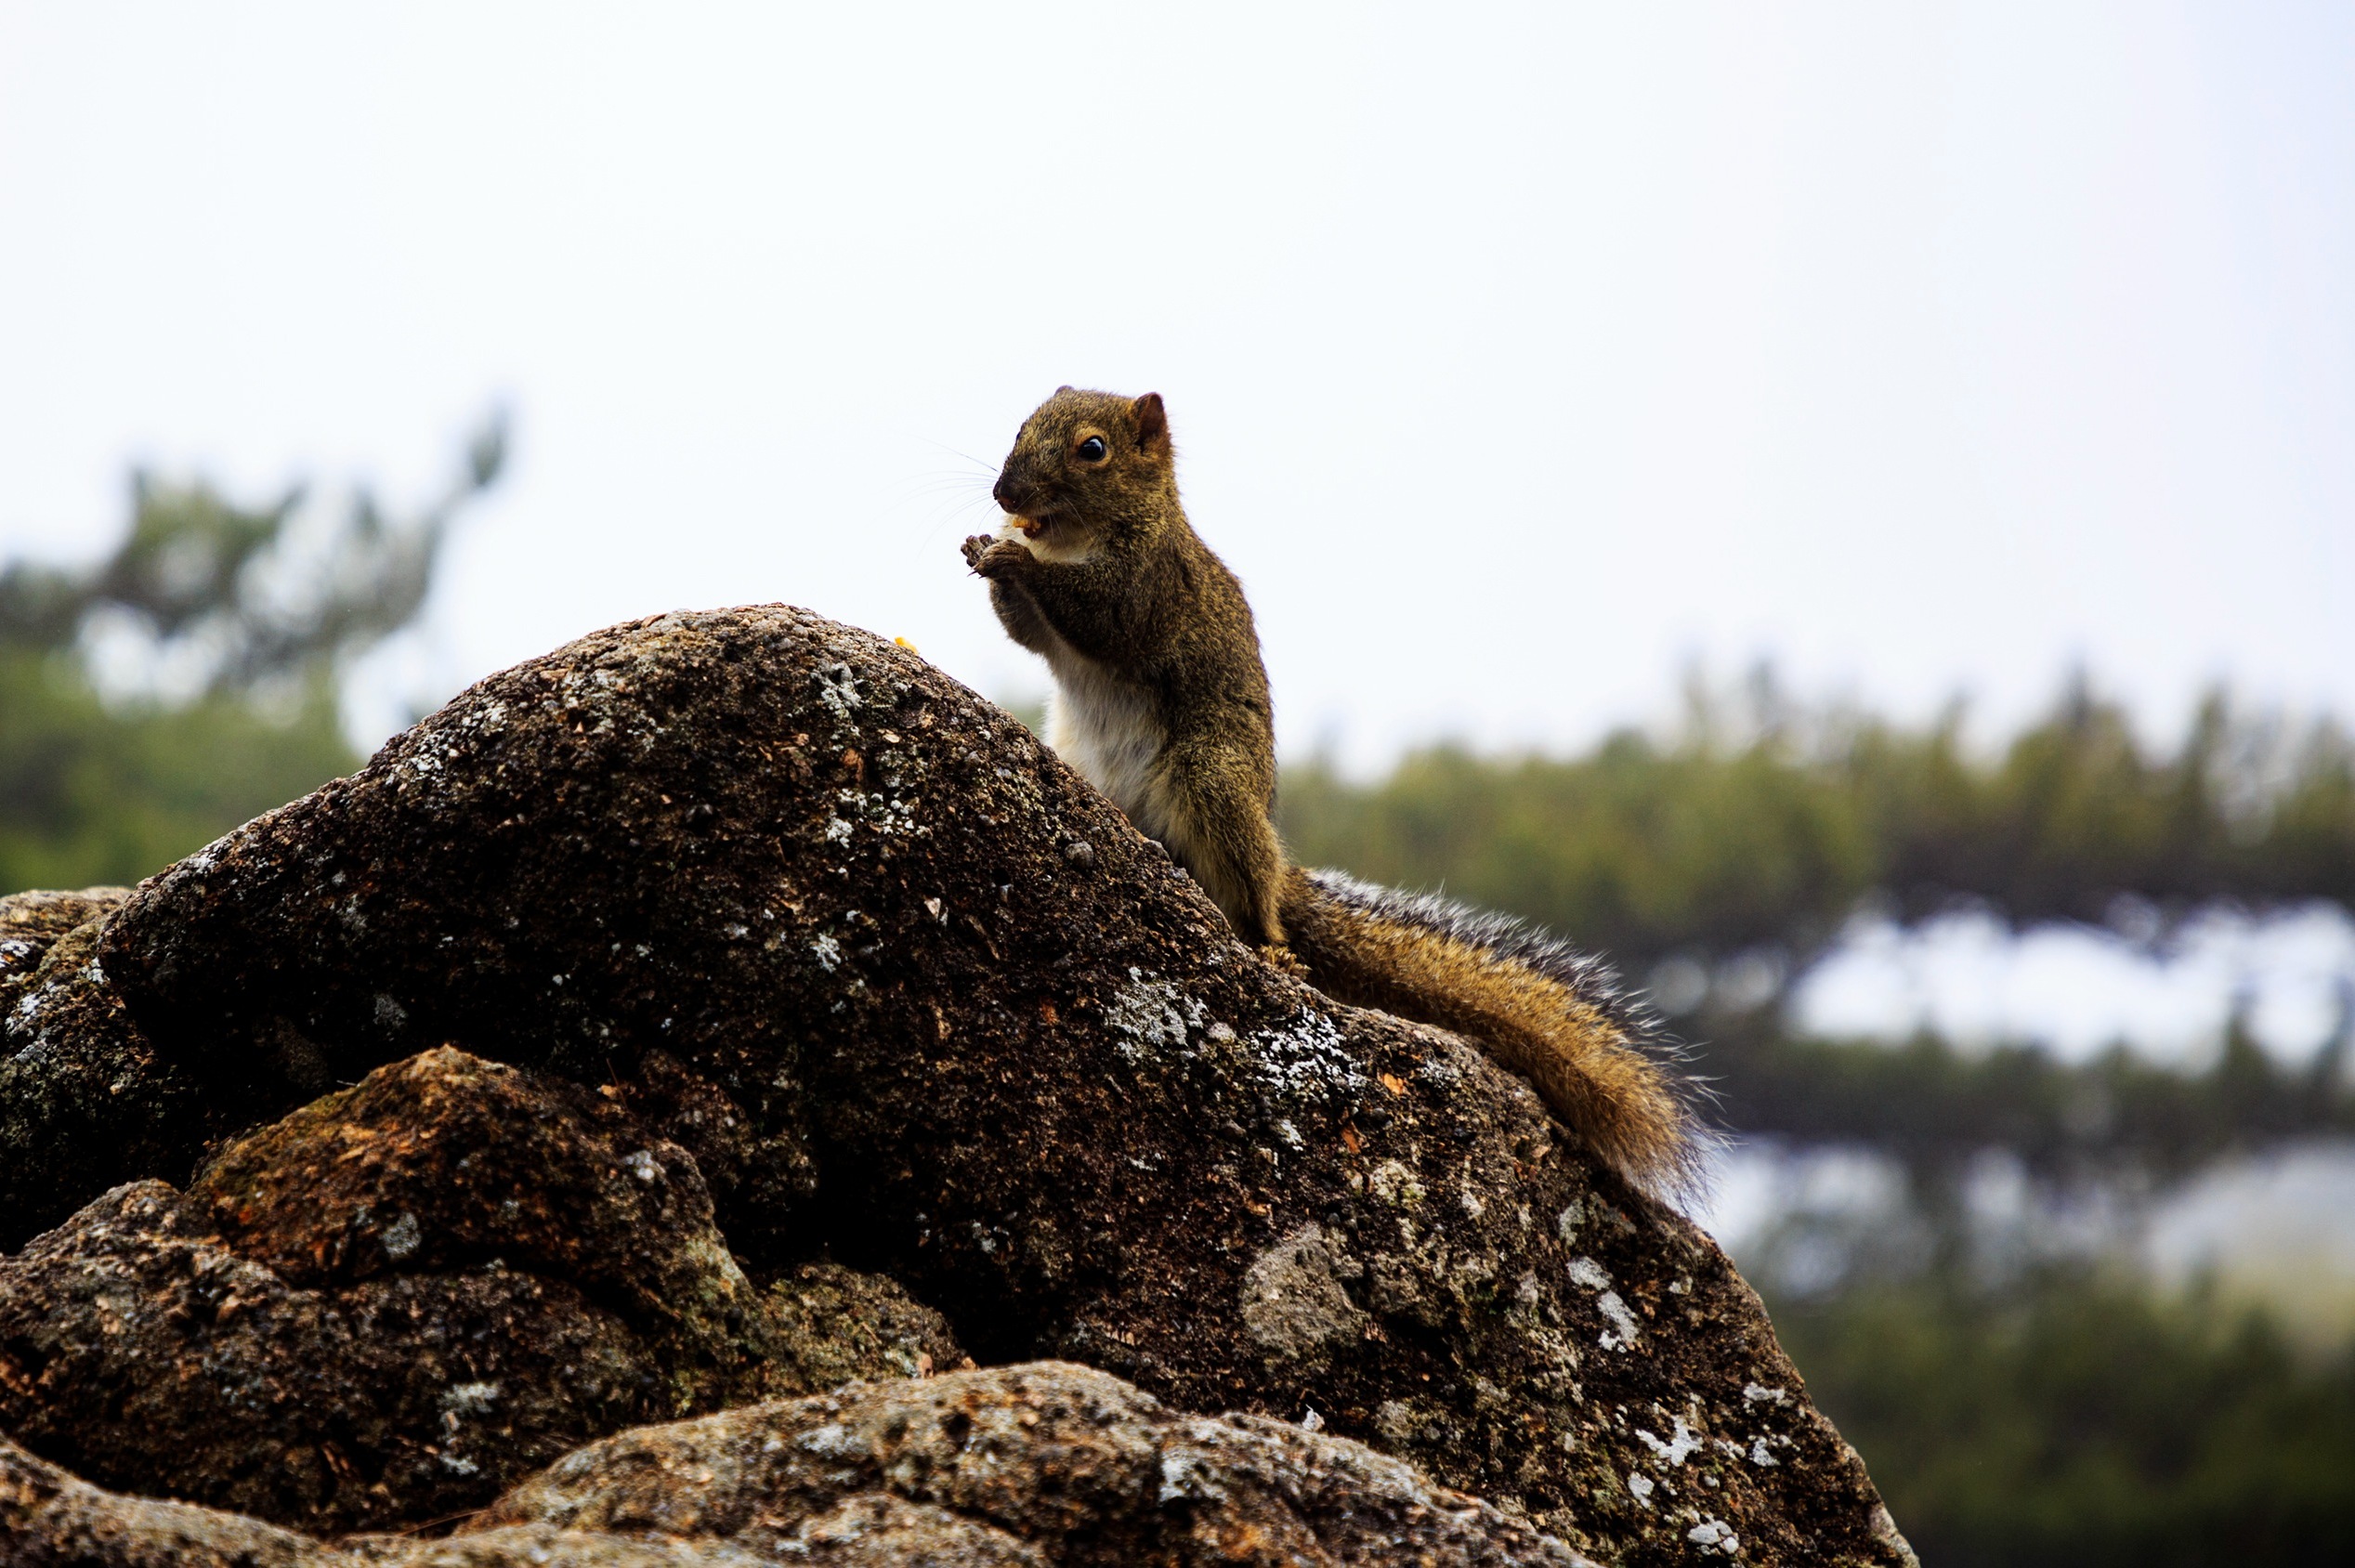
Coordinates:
1517 354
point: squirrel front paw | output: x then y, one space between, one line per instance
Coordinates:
989 556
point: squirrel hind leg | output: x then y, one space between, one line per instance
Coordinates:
1226 839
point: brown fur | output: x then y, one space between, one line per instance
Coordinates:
1162 701
1617 1100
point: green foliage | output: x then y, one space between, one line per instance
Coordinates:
1934 1108
2069 1417
238 591
91 793
1712 845
241 607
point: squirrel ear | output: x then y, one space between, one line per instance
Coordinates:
1152 419
1062 390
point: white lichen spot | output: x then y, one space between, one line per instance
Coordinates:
1754 1393
1759 1456
1594 1277
469 1399
1398 1423
1187 1476
1291 1134
833 1441
1151 1016
400 1238
1312 1421
1641 1484
887 814
1396 1184
1682 1444
1714 1536
1470 1202
1566 1223
459 1463
1306 1057
1622 1320
838 689
643 1164
829 953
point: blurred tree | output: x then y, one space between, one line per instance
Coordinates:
232 624
2068 1416
1734 853
1764 838
1934 1108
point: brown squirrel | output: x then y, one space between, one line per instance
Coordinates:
1161 701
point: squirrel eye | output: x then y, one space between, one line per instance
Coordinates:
1093 449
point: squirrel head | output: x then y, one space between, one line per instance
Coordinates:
1088 464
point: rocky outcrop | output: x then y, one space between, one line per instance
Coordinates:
916 1002
85 1103
405 1297
1015 1467
33 925
1032 1464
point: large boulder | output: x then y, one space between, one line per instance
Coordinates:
932 1008
85 1103
1030 1464
1018 1466
403 1299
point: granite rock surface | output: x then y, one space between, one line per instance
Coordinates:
915 1001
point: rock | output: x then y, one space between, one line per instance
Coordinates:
49 1516
49 1519
404 1297
83 1102
830 1324
1043 1463
32 924
1017 1467
1049 1094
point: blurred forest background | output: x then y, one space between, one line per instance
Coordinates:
2024 1391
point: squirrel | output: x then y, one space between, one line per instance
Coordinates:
1161 701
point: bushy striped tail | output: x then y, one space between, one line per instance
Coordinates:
1599 1056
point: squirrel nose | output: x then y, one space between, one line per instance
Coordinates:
1006 492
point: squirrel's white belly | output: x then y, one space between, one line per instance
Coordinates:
1108 729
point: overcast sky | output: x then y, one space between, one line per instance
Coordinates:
1517 356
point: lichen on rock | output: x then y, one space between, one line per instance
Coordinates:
84 1102
1017 1467
404 1297
803 907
